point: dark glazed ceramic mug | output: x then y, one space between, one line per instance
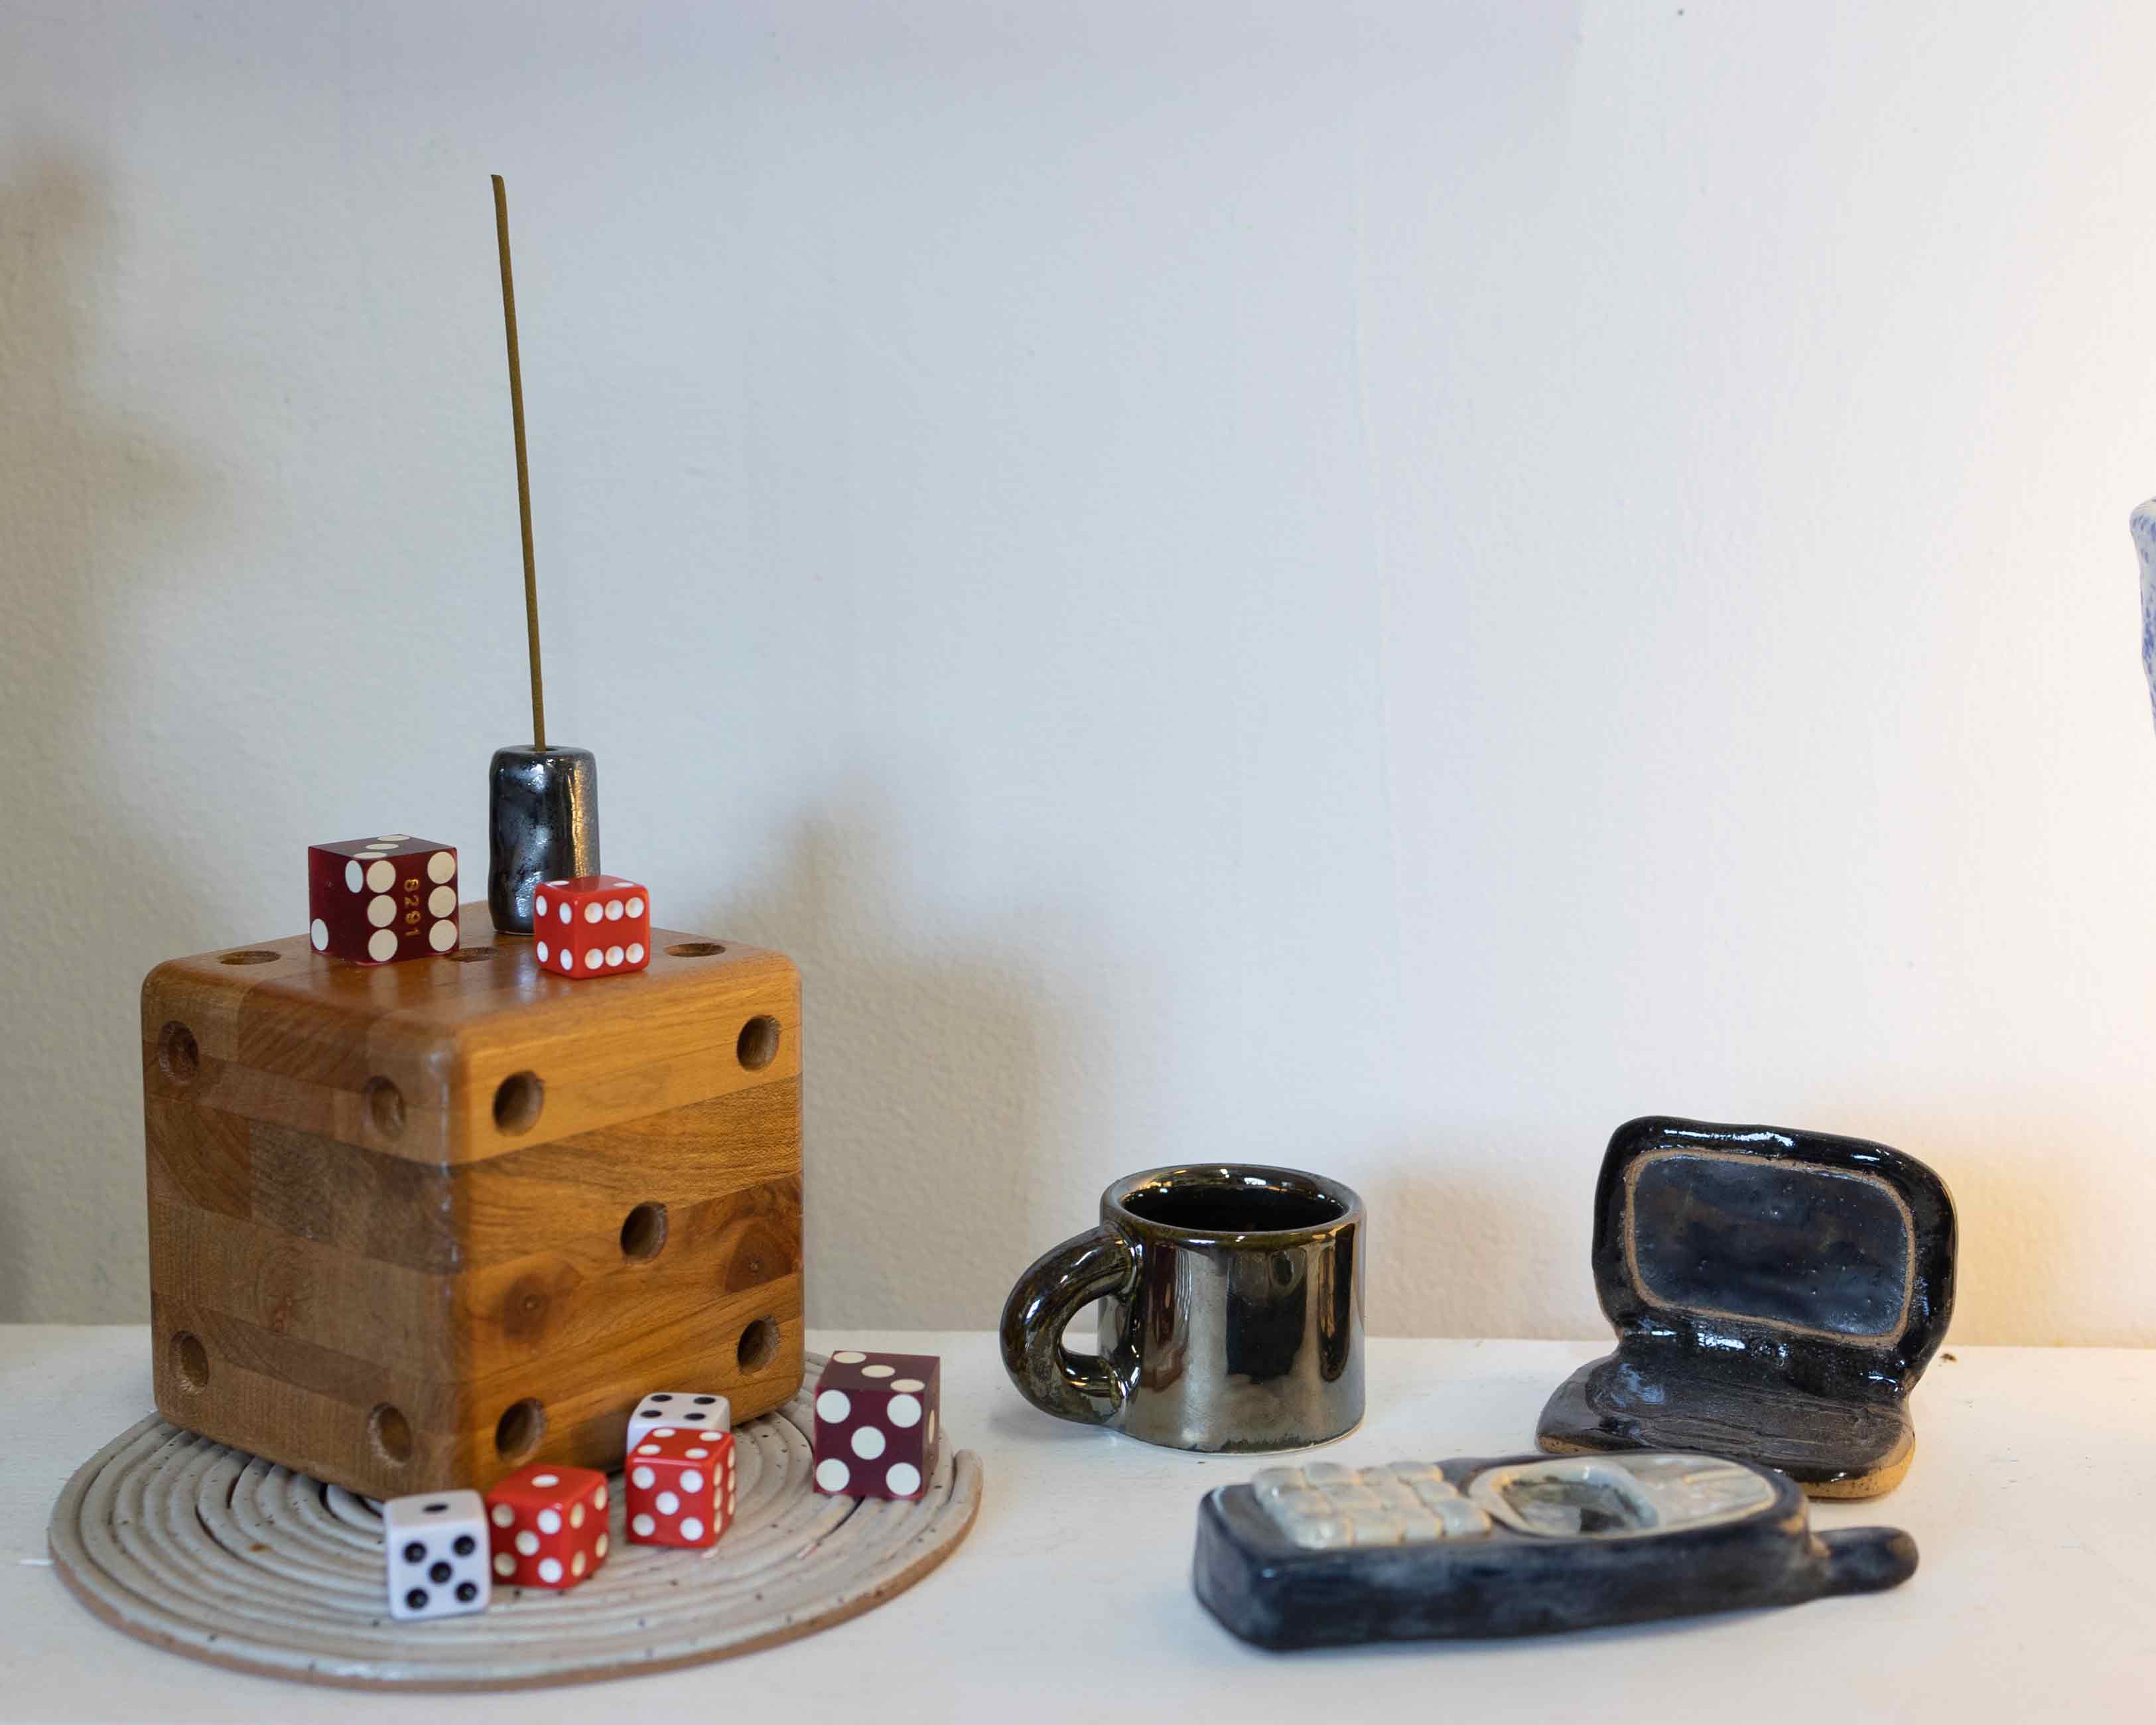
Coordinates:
1231 1312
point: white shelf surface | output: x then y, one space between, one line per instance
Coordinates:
2032 1499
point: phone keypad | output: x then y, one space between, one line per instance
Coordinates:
1326 1507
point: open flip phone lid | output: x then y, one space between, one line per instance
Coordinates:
1775 1295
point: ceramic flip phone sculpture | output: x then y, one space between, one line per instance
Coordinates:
1776 1296
1329 1556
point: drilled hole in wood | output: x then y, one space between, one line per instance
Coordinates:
385 1107
695 949
251 957
517 1433
517 1102
758 1046
645 1232
177 1057
390 1434
191 1361
470 954
758 1345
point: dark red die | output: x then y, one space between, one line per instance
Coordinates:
679 1486
875 1424
549 1525
376 901
596 925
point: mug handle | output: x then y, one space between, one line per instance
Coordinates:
1071 1386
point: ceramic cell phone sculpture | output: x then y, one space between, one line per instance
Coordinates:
1522 1545
1776 1296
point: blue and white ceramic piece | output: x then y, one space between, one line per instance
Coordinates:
2144 541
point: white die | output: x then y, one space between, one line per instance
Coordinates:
685 1409
436 1544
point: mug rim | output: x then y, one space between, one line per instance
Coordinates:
1314 1185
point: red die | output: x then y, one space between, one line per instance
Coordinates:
374 900
679 1485
549 1525
875 1424
596 925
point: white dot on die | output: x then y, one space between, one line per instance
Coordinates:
542 951
636 907
931 1428
441 936
904 1412
550 1569
614 911
904 1479
667 1503
576 1515
550 1521
564 913
642 1478
695 1456
504 1516
662 1431
613 955
833 1404
641 1526
539 904
692 1528
599 1498
440 866
593 959
576 1564
442 901
503 1564
875 1371
527 1542
832 1474
868 1442
319 935
636 952
382 911
593 913
912 1386
381 946
354 877
847 1357
546 1479
692 1481
599 1550
381 874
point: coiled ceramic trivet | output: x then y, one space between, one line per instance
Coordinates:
215 1554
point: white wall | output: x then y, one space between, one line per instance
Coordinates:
1384 588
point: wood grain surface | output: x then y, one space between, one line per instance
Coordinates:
411 1226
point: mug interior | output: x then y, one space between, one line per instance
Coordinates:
1215 1201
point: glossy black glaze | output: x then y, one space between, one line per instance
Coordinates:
542 824
1231 1312
1776 1295
1277 1595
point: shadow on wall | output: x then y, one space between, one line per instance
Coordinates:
88 497
921 1093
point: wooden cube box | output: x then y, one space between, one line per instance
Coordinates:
413 1226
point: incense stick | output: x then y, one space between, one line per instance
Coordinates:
523 471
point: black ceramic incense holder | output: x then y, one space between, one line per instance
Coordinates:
1776 1296
1523 1545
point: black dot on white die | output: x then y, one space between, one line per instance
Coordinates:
433 1509
416 1552
417 1599
465 1545
704 1401
467 1591
439 1574
666 1398
691 1419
